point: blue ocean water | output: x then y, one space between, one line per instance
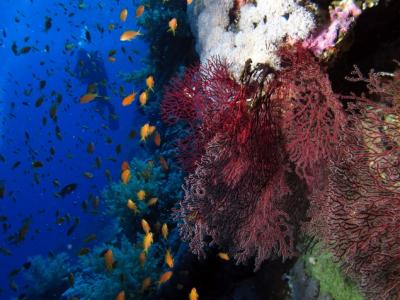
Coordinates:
47 70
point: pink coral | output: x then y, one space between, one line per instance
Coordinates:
341 18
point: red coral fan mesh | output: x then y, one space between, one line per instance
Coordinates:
313 116
360 224
379 124
195 100
235 195
357 215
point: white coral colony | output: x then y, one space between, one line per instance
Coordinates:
261 27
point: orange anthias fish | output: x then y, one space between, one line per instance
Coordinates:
123 15
126 176
146 131
129 99
139 11
141 195
142 258
145 226
157 139
129 35
165 277
88 98
193 295
150 82
147 241
172 24
223 256
124 166
108 259
164 231
169 260
189 2
143 98
145 284
111 59
132 206
152 201
120 296
164 164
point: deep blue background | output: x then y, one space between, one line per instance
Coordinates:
19 73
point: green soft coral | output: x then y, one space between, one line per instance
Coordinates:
144 176
150 178
47 275
94 281
320 265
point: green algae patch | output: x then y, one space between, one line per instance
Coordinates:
320 265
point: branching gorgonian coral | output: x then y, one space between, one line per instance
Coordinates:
357 214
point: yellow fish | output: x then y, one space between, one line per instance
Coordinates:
147 241
108 259
172 24
164 231
139 11
123 15
126 176
152 201
132 206
141 195
129 99
165 277
150 82
193 295
169 260
129 35
143 98
146 131
145 226
223 256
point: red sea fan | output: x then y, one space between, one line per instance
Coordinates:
234 194
313 115
360 224
238 196
192 100
357 215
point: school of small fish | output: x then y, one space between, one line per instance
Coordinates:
55 107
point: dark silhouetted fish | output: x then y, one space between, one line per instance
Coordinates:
68 189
